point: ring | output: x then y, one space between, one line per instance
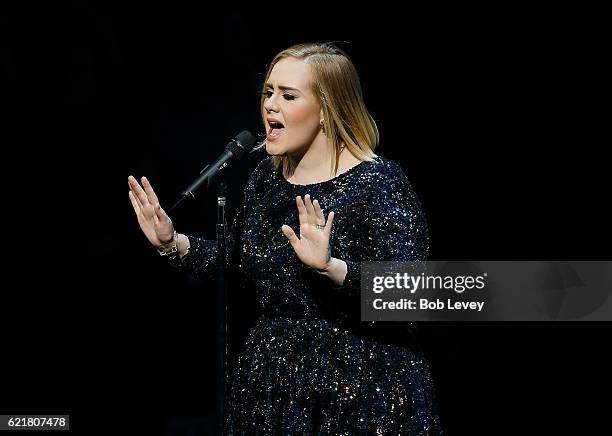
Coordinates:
320 226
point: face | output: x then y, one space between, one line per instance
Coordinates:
291 112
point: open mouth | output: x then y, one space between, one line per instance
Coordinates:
275 129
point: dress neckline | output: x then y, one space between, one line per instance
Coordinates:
340 176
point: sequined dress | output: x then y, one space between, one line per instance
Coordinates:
309 365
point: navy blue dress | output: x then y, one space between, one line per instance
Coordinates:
309 365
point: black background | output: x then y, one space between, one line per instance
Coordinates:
496 116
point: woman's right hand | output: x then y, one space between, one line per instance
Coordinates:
154 222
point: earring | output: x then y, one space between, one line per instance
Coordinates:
322 127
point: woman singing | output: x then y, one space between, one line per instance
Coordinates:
318 206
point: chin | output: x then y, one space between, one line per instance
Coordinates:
275 149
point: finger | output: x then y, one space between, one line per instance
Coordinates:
132 184
303 215
310 210
290 234
160 214
149 191
138 191
135 203
134 193
318 212
328 226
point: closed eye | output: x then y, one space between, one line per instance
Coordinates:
288 97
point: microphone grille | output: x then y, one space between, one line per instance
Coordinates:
243 143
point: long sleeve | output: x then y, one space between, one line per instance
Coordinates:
395 227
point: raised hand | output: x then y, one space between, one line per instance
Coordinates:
312 247
153 220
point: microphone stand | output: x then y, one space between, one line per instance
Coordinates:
221 303
222 230
239 146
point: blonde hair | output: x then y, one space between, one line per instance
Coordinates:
336 86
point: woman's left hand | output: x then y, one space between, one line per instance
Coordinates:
312 247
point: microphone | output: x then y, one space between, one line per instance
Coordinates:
234 150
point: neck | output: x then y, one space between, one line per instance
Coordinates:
313 165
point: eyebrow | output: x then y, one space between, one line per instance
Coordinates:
284 88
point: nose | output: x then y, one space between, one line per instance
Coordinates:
270 104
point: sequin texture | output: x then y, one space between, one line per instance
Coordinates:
309 365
